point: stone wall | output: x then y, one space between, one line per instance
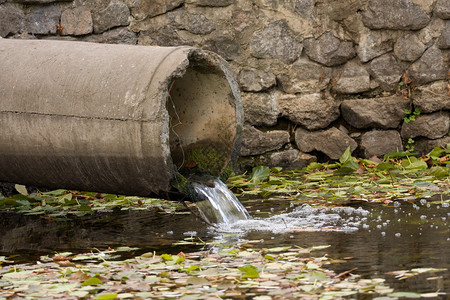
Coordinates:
317 76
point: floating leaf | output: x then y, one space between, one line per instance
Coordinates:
92 281
166 257
259 174
249 271
405 295
106 296
21 189
198 281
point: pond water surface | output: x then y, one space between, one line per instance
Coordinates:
374 238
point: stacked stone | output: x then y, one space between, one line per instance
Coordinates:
317 76
93 21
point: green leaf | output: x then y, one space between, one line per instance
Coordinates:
396 155
346 156
259 174
249 271
414 163
106 296
166 257
384 167
439 172
92 281
180 260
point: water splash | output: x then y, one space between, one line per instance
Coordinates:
303 218
221 205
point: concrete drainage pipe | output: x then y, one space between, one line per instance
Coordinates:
114 118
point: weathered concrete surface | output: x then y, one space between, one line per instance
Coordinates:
71 118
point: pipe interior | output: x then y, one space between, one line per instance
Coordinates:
202 121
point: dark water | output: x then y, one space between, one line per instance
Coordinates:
374 238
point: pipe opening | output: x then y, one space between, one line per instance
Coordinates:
202 121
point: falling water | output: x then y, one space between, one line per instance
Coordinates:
221 205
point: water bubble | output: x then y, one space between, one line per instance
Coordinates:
365 226
398 234
437 207
383 233
258 210
428 205
443 218
395 210
423 217
261 240
388 221
384 224
291 205
190 233
423 201
379 226
291 237
445 204
271 209
170 232
397 204
272 237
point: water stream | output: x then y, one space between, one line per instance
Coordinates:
221 205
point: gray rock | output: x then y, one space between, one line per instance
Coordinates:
290 159
11 19
432 126
329 50
39 1
76 21
409 48
430 67
314 111
114 36
275 41
43 19
332 142
380 142
386 71
115 14
214 3
432 97
165 36
383 113
256 142
303 7
255 80
442 9
304 76
426 145
374 43
152 8
260 109
227 47
195 23
444 40
395 14
353 79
